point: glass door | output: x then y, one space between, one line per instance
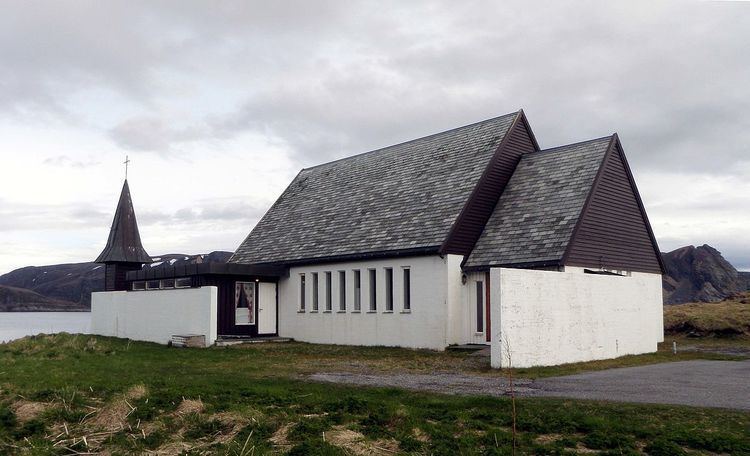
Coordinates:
244 303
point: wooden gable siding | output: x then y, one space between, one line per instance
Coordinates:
613 231
478 209
115 275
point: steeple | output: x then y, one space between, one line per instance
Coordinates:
124 251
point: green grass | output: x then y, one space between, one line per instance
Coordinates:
130 398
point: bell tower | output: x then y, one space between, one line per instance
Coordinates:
124 251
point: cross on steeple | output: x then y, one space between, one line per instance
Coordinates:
126 162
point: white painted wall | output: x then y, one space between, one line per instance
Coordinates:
156 315
549 318
435 288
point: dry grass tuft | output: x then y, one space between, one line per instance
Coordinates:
189 406
545 439
114 416
420 435
26 411
357 444
280 438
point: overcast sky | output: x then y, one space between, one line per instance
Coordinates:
220 104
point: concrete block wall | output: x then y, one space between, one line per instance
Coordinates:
547 318
155 315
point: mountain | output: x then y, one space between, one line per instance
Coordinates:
69 286
700 274
14 299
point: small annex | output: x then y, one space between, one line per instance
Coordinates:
470 236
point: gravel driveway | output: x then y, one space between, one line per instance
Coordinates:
723 384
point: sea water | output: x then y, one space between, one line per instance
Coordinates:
14 325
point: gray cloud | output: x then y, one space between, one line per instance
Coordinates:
329 79
64 160
233 211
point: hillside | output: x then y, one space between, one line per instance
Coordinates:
21 300
700 274
730 317
69 286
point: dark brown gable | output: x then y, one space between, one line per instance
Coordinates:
478 209
613 231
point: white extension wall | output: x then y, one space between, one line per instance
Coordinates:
549 318
156 315
435 292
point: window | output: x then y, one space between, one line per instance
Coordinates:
389 289
342 291
152 285
357 290
373 291
183 282
167 283
139 285
480 306
407 289
302 292
315 291
328 291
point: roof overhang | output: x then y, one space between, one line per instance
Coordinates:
225 269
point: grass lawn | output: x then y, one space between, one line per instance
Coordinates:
127 397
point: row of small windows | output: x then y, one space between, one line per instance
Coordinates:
163 284
356 292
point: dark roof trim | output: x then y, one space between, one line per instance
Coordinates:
168 272
419 251
461 219
589 197
529 265
641 207
528 129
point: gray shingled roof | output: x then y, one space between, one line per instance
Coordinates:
536 214
401 197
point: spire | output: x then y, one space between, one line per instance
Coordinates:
124 243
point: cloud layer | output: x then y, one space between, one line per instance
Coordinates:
226 101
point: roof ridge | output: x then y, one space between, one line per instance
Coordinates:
557 148
412 140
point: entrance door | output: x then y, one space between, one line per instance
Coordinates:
476 311
267 308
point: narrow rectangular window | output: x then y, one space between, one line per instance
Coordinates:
328 291
407 289
389 289
315 291
342 291
373 291
480 306
301 292
357 290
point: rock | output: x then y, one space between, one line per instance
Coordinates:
699 274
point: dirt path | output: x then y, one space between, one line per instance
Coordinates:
722 384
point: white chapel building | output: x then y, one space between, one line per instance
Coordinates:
469 236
